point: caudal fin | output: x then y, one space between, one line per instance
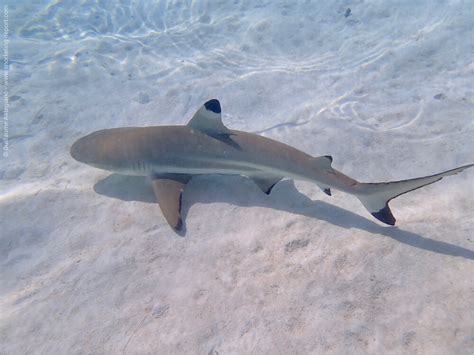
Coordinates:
375 197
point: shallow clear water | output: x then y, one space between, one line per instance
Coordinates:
386 88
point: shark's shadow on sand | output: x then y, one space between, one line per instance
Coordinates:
287 198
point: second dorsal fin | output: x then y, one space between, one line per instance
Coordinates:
323 162
208 119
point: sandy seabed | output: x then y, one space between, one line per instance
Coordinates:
88 263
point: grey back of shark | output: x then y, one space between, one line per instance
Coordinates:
172 155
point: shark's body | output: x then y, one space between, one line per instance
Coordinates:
172 155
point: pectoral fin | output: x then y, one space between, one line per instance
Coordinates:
168 191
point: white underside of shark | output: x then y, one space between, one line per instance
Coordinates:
172 155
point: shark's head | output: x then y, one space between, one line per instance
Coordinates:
109 149
90 149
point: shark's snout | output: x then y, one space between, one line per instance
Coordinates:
74 150
84 150
99 149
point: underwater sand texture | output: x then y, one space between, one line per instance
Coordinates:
89 265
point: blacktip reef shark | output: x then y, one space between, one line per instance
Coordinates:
172 155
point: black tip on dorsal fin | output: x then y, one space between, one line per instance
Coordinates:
213 105
329 157
208 119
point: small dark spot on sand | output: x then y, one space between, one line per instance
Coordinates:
143 98
348 12
296 244
38 117
256 247
408 337
199 294
160 310
205 19
439 96
15 98
129 76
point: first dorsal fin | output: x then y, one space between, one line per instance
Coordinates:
208 119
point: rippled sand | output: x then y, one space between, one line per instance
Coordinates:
88 263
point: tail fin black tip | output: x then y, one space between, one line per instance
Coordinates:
375 197
385 216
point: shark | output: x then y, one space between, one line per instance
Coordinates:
172 155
